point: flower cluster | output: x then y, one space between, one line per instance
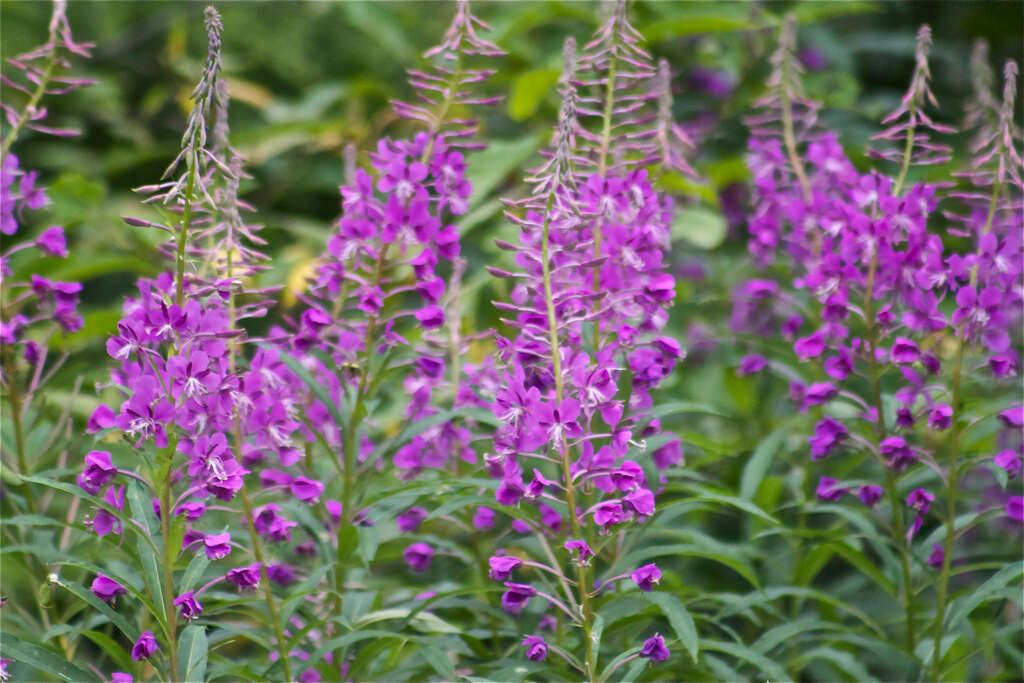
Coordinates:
590 295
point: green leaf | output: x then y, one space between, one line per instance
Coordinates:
192 653
489 167
110 646
681 407
193 572
962 607
705 548
427 622
768 667
42 659
679 617
596 631
866 566
711 496
130 632
844 661
348 542
528 90
759 462
699 226
693 18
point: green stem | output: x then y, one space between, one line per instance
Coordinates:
907 149
788 135
268 594
169 557
570 489
899 530
19 432
186 220
602 169
33 101
954 456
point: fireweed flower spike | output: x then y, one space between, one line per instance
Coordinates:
382 303
175 353
989 296
862 248
33 311
590 259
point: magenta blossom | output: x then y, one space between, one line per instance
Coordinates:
646 576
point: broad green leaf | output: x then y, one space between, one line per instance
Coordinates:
422 621
706 550
679 617
701 227
844 661
785 632
528 90
682 407
193 572
43 660
489 167
130 632
110 646
192 653
759 462
962 607
703 493
764 664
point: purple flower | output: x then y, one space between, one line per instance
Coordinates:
99 471
827 435
281 574
904 351
811 346
106 589
819 393
144 647
646 576
668 455
410 519
641 502
608 514
654 649
502 566
218 546
870 494
751 364
937 556
537 649
307 490
583 551
418 556
1009 461
830 489
104 522
940 417
484 518
244 577
121 677
516 597
900 455
430 317
920 500
189 606
1015 508
52 242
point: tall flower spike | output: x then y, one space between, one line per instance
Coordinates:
447 83
42 76
619 92
785 107
910 125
